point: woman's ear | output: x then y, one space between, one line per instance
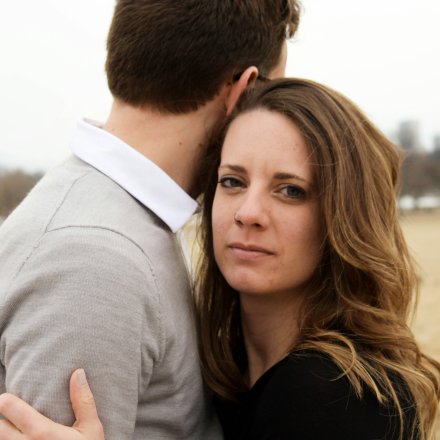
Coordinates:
247 78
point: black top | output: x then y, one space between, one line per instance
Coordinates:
301 398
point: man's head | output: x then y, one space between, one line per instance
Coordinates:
174 55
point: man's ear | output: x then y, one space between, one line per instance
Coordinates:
247 78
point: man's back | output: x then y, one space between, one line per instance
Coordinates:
82 260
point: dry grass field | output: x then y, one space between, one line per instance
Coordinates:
422 232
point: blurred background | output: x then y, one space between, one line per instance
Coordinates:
384 55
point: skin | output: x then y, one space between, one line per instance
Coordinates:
266 229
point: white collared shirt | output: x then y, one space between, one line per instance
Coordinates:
134 172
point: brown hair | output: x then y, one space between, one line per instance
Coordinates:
173 55
366 284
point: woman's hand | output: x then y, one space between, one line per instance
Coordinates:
22 422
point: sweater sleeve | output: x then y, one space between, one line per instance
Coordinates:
85 297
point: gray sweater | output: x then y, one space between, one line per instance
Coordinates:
91 278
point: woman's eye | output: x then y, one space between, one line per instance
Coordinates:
293 192
230 182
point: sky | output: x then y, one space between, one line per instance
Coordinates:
383 54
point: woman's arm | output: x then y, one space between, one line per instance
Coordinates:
22 422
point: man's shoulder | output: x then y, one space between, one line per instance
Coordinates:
77 195
75 205
94 199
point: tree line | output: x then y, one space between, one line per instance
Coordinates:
420 176
14 185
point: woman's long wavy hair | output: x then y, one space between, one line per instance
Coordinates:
366 286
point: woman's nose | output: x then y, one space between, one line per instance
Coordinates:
252 211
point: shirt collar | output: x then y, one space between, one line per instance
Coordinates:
134 172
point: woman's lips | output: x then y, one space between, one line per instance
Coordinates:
249 251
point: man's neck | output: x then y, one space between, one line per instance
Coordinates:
176 143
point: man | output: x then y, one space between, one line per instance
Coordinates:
91 275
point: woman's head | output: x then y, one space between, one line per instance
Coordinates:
353 174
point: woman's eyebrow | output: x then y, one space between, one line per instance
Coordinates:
237 168
284 176
277 176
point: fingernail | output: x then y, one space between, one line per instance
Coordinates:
81 376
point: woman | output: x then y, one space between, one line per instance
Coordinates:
305 282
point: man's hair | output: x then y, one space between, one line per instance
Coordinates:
173 55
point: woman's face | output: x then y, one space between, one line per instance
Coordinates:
265 215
